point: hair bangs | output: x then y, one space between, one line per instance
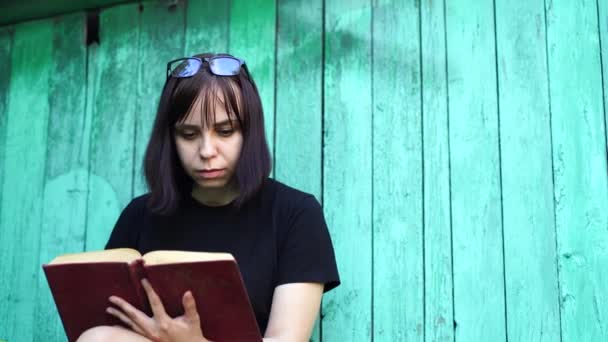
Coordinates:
209 92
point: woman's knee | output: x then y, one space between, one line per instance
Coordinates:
108 333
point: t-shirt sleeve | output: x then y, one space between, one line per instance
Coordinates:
124 234
307 253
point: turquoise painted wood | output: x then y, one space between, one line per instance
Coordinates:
477 236
6 42
397 235
114 84
67 159
579 168
526 173
27 116
207 27
602 15
459 149
438 295
299 119
347 167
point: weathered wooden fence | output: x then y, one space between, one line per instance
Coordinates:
458 147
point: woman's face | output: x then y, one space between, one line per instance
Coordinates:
209 152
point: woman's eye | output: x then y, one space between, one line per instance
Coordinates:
188 135
225 132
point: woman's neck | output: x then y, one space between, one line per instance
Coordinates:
215 197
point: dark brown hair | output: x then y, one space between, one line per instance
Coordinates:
167 181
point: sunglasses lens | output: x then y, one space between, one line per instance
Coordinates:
225 66
186 68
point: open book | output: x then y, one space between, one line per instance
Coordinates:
82 283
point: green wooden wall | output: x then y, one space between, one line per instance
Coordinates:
459 149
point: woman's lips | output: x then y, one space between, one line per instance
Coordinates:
211 173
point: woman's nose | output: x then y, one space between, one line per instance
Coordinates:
207 148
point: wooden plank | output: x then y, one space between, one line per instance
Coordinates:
252 37
525 143
156 48
6 42
398 290
299 112
66 175
602 13
22 188
347 167
438 320
298 158
579 168
114 99
479 308
207 27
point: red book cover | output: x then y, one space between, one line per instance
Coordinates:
81 291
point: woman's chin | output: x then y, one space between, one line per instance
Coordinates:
208 184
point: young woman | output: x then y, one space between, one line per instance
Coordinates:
207 166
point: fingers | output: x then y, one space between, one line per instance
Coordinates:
137 320
125 319
155 303
190 307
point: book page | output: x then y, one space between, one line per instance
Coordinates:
171 257
109 255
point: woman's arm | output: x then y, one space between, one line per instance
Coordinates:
293 312
292 315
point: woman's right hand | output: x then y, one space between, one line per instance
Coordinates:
161 327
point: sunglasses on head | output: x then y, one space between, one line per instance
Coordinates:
219 65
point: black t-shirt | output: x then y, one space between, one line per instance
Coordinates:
279 236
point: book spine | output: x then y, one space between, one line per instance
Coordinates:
138 272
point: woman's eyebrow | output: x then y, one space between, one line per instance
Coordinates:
225 122
185 126
217 124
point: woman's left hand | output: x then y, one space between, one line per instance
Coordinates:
161 327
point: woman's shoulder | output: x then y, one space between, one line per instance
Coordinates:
287 197
137 205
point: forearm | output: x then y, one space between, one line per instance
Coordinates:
283 339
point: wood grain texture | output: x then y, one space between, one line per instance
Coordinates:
479 308
579 167
437 221
23 183
253 38
6 42
602 14
156 48
114 99
298 149
405 142
299 88
66 177
347 168
398 289
527 183
207 27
